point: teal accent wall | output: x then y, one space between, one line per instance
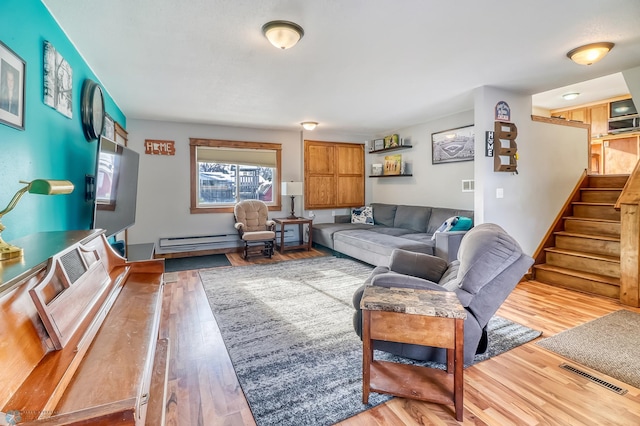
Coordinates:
52 146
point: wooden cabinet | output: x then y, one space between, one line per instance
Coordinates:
615 154
333 175
599 119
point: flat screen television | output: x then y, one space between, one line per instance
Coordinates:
115 187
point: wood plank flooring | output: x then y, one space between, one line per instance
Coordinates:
524 386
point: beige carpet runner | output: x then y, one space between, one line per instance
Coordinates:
610 345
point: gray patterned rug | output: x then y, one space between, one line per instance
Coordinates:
288 329
608 344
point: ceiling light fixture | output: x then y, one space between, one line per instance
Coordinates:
570 96
590 53
309 125
282 34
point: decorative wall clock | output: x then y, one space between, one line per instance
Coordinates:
92 110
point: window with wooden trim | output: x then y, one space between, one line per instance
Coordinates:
226 172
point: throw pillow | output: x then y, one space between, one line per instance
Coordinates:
463 224
446 226
362 215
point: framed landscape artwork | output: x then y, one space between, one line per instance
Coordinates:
453 145
58 81
12 73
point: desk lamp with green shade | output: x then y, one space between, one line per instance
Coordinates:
38 186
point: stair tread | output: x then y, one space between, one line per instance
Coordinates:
595 256
590 236
591 219
590 203
579 274
592 188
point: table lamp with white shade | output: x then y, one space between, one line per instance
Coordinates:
292 189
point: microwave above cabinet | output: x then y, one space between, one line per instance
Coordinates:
622 108
628 123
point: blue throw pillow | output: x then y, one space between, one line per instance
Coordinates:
446 226
462 224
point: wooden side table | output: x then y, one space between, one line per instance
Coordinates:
300 221
421 317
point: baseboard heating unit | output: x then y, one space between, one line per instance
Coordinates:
195 243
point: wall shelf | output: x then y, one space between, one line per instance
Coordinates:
394 148
388 176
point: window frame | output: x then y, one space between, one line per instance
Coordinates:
275 205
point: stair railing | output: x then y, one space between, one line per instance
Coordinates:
629 205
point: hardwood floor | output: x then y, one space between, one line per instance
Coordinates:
524 386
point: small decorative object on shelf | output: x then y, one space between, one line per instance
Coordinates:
393 164
376 169
391 141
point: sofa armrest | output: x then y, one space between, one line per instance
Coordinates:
391 279
447 245
416 264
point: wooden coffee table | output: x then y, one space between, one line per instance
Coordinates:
421 317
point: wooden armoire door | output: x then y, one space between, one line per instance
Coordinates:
333 175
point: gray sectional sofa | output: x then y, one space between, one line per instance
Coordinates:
395 226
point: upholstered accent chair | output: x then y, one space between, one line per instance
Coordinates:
489 266
256 231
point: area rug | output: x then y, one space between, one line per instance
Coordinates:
288 330
608 344
195 262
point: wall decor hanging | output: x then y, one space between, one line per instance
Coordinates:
58 81
453 145
12 78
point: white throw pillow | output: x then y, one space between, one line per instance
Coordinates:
362 215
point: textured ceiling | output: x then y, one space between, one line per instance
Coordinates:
363 66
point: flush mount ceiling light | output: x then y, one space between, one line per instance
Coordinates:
570 96
590 53
309 125
282 34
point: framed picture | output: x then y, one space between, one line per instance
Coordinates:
109 129
453 145
393 164
12 78
58 81
391 141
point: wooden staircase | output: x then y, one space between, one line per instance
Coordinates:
583 252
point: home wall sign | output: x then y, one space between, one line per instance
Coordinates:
159 147
488 144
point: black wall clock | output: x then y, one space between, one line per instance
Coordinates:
92 110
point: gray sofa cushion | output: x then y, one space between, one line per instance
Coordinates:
363 239
396 232
383 214
412 217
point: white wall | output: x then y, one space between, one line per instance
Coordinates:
437 185
551 160
164 181
632 78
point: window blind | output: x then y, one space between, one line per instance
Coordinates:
249 157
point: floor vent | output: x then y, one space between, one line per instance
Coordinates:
594 379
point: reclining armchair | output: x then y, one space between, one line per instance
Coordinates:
490 264
256 231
